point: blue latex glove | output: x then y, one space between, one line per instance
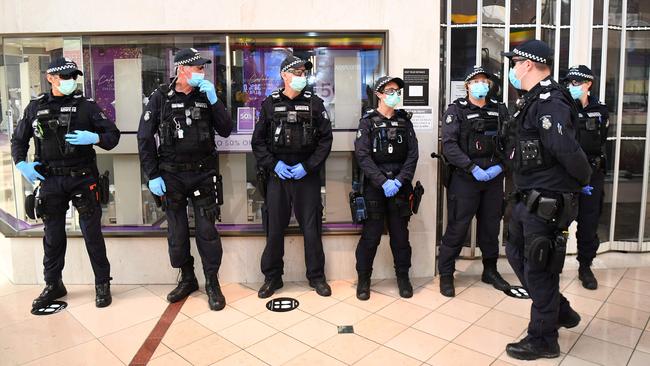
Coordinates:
82 138
480 174
29 172
398 183
298 171
390 188
586 190
283 170
157 186
208 88
494 171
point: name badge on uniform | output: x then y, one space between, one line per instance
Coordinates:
472 116
594 114
178 105
302 108
492 113
280 109
43 112
201 105
68 109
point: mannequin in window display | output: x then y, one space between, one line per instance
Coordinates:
291 142
593 125
65 126
185 116
471 144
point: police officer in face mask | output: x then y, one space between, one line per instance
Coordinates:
65 125
291 141
185 115
470 142
593 124
550 170
387 152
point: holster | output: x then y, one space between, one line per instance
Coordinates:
447 170
416 197
262 181
103 188
358 207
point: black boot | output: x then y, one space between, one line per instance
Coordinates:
491 275
186 285
103 296
526 349
51 292
587 277
321 287
447 285
404 286
216 300
568 319
363 286
269 287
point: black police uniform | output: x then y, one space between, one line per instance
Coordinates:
70 173
549 170
295 131
187 160
470 139
386 148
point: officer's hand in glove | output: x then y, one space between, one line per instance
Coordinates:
298 171
282 170
29 172
480 174
586 190
398 183
82 138
157 186
494 171
390 188
208 88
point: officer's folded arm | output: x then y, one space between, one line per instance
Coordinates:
263 155
222 120
450 147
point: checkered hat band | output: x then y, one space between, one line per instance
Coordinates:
61 68
579 74
474 73
183 62
292 64
381 85
529 56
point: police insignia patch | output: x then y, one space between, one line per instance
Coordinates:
546 122
559 128
101 114
359 134
449 119
147 115
325 115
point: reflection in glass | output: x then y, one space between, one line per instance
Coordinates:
596 52
638 13
548 36
635 90
494 11
615 12
491 49
630 183
612 77
565 12
598 12
564 51
522 12
463 44
548 11
463 12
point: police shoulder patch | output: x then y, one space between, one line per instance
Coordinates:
449 119
359 133
147 115
547 121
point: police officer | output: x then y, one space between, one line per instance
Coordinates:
293 138
65 125
470 142
185 115
593 125
550 170
386 149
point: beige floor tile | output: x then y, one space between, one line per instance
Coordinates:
518 307
574 361
417 344
292 289
378 329
599 294
540 362
636 286
184 333
241 358
312 331
247 333
277 349
236 291
251 305
427 298
483 340
404 312
343 314
642 274
218 320
455 355
282 321
500 363
566 339
348 348
313 303
84 294
644 342
629 299
613 332
170 359
583 304
342 289
584 321
482 295
376 302
624 315
595 350
16 307
387 287
504 323
127 309
387 356
609 277
314 358
125 343
441 325
207 350
160 290
196 304
464 310
7 288
639 359
91 353
25 341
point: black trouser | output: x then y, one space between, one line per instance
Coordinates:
57 192
382 210
542 286
467 198
180 187
304 196
589 210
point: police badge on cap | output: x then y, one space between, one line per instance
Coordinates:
293 62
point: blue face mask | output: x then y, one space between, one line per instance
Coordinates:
516 83
66 87
298 83
576 91
196 79
479 90
392 100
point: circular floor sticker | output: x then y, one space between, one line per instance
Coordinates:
53 308
282 304
517 292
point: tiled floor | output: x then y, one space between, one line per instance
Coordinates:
428 329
